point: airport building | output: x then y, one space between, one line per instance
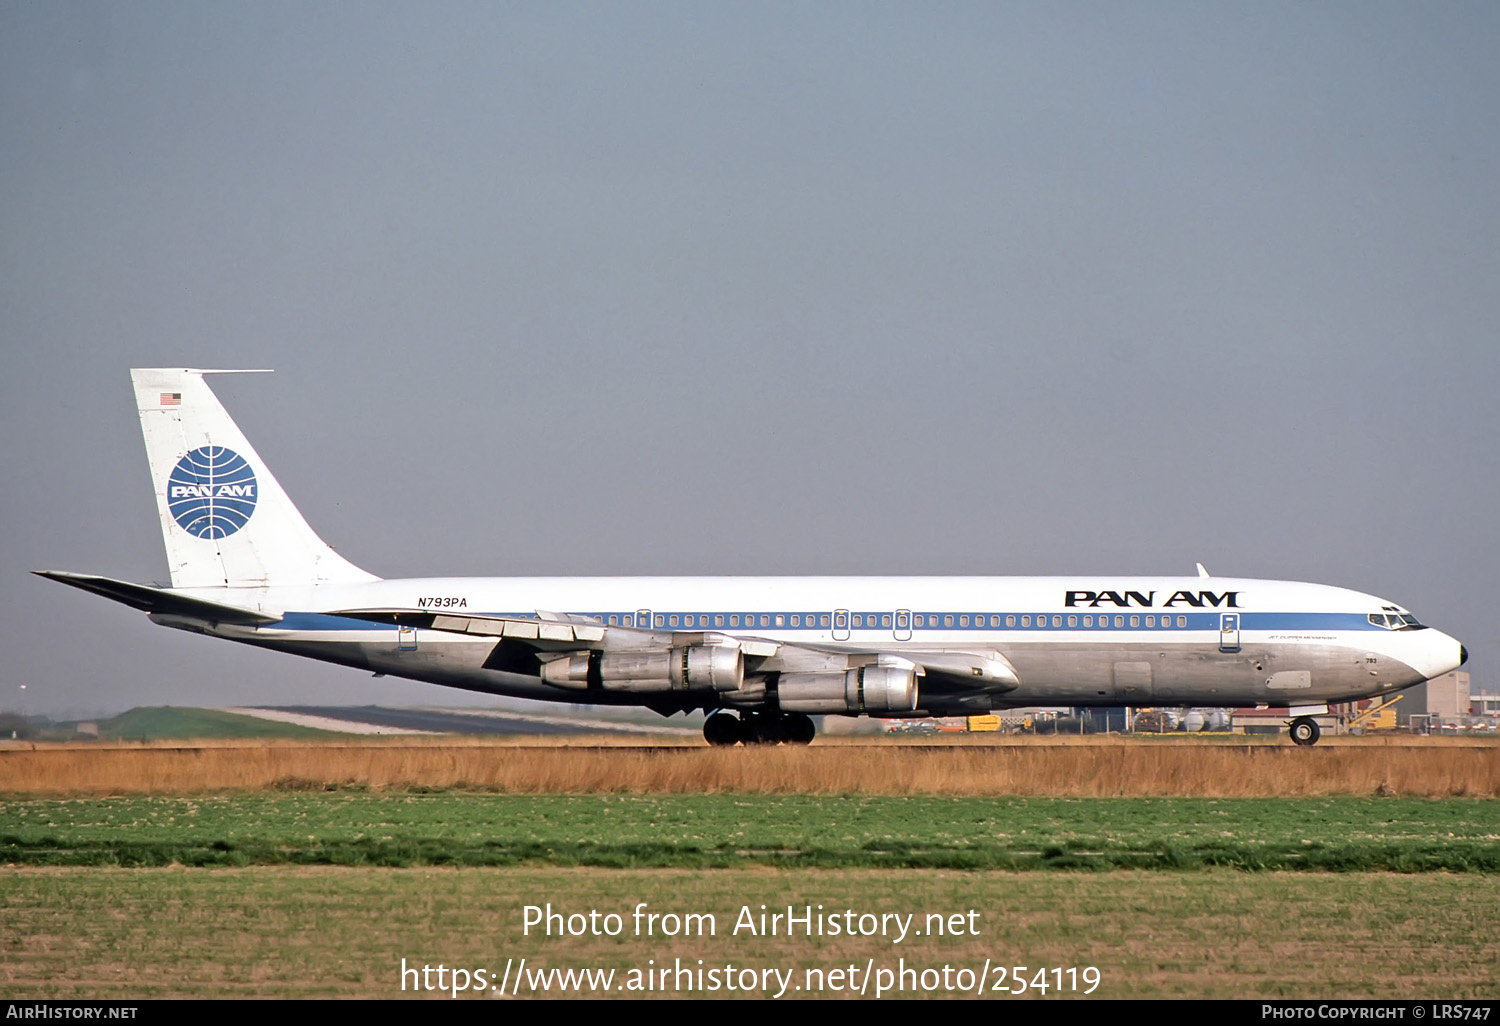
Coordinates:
1441 700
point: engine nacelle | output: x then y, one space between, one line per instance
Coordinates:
864 689
693 668
720 667
750 695
568 671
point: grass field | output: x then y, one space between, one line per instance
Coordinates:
1035 766
1178 868
155 723
337 932
732 831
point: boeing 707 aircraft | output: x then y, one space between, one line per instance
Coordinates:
760 655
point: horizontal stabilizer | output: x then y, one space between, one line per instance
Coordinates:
157 600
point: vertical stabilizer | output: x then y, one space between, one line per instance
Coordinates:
225 519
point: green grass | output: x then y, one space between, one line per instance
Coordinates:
725 831
172 723
280 932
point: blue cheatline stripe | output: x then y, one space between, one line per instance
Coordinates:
930 622
324 622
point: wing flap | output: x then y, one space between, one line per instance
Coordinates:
558 632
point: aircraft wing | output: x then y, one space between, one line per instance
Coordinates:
526 644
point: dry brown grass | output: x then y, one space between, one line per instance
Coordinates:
1040 767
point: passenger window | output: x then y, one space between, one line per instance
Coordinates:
1150 621
1026 620
796 620
1135 621
947 619
765 621
963 621
1088 621
825 620
672 620
659 619
1057 621
1010 620
780 620
1182 621
734 619
1072 620
1119 621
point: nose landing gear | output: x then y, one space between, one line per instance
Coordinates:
1304 731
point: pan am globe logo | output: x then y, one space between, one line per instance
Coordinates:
211 492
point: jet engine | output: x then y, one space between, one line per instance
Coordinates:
863 689
692 668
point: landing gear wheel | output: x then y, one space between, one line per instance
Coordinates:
1305 730
800 729
721 729
763 730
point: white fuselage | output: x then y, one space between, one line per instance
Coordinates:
1071 640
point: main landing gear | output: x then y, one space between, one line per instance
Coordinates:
1304 730
759 728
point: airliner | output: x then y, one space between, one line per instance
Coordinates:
759 655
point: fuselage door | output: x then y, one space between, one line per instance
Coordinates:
903 625
1229 632
841 625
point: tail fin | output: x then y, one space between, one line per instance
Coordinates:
225 520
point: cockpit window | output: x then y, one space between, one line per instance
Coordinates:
1396 621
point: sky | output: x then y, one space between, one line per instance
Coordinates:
761 288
